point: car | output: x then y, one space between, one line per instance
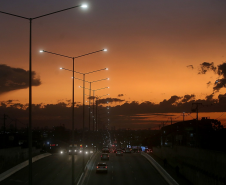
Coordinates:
148 151
63 151
119 152
101 167
105 150
136 150
104 156
70 151
127 150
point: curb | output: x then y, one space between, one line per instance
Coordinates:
18 167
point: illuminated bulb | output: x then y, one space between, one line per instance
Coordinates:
105 50
84 6
106 68
41 51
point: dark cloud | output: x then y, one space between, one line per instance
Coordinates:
208 83
190 66
91 97
210 97
15 79
119 95
187 97
109 100
222 98
220 83
171 101
205 66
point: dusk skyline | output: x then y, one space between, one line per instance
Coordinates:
158 52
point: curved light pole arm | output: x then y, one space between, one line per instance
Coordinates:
97 70
90 53
14 15
57 11
41 51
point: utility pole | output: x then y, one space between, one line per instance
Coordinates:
197 109
96 116
4 129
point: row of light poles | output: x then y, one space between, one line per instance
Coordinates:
30 84
73 78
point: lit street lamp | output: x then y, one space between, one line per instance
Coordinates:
73 140
30 77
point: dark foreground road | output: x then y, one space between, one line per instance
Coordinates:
51 170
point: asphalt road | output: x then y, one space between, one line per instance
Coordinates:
51 170
131 169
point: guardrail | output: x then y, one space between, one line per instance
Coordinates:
18 167
159 168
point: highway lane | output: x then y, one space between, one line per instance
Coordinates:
51 170
130 169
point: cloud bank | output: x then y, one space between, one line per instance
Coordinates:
15 78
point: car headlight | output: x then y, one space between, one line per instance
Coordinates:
61 152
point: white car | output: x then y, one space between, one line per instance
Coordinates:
102 167
119 152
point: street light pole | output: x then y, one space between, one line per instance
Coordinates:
30 78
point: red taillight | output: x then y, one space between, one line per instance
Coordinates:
106 167
101 156
97 167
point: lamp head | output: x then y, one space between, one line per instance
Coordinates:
41 51
106 68
105 50
84 6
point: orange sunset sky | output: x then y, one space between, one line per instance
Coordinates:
150 46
